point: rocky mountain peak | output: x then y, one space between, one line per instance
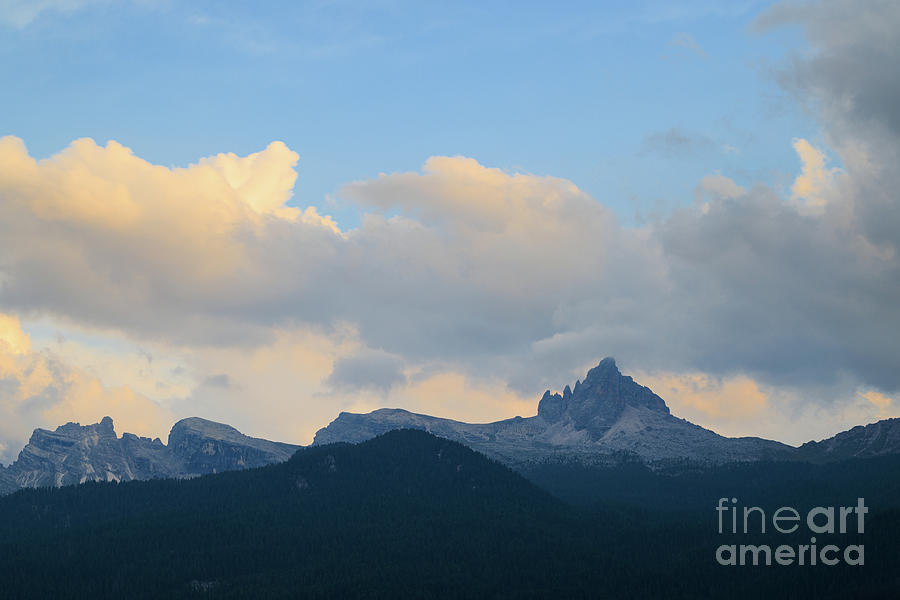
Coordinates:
76 431
197 427
76 453
210 447
597 402
606 370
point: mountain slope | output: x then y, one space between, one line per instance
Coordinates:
408 515
876 439
75 453
603 419
406 511
606 420
210 447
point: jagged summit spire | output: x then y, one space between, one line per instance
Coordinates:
606 369
599 400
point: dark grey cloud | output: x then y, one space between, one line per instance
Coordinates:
850 82
367 370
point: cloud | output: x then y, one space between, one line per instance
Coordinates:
107 239
220 380
513 276
37 389
848 81
719 186
813 185
13 341
367 370
263 180
677 143
739 406
736 398
490 284
845 77
21 13
686 41
886 406
289 389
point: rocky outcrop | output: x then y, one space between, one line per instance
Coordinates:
598 402
75 453
605 418
877 439
209 447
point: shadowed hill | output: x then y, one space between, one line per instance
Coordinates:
604 419
403 515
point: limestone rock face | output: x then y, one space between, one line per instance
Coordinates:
604 419
75 453
209 447
599 401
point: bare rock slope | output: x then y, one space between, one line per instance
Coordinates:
603 419
75 453
863 441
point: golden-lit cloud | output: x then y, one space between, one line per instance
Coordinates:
103 236
462 194
736 398
886 405
816 180
38 390
739 405
465 291
263 180
286 391
450 395
13 340
455 396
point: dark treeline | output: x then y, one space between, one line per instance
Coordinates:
411 515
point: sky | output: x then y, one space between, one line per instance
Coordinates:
267 213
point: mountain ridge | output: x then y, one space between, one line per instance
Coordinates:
410 515
75 453
606 417
605 420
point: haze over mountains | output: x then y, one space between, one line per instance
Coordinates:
604 420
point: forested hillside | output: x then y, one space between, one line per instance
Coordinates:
403 515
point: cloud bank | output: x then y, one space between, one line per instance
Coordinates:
38 389
463 271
